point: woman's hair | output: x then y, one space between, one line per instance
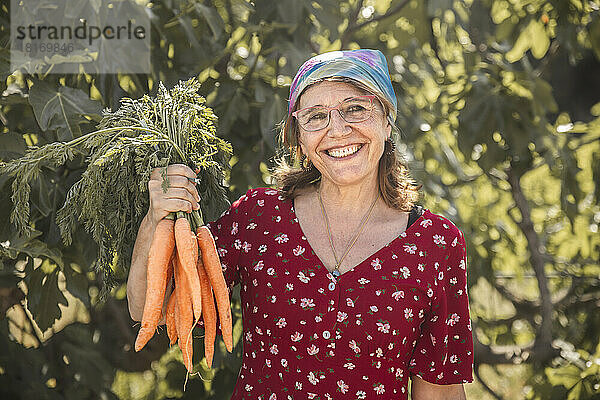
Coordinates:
398 189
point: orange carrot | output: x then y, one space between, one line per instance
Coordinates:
212 264
187 252
169 279
184 316
170 318
209 314
159 255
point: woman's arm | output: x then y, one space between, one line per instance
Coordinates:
181 196
423 390
136 281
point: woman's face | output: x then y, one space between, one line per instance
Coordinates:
363 141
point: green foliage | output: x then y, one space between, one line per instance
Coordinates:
500 122
61 109
110 199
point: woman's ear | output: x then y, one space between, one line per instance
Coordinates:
302 149
388 129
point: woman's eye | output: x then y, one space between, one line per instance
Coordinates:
355 108
317 116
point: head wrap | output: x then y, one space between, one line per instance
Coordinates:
366 66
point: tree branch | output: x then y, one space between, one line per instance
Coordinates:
580 145
498 322
352 27
351 24
388 14
537 257
485 354
523 306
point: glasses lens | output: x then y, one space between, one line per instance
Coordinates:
313 118
356 109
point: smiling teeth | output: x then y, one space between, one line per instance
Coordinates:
346 151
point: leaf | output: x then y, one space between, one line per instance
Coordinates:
594 35
12 145
8 279
77 285
213 18
5 69
540 42
566 376
61 109
34 248
500 12
435 7
44 297
186 24
291 11
522 44
237 108
575 392
542 93
269 117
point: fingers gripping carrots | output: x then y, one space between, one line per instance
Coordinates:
174 253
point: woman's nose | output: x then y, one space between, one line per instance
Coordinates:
337 124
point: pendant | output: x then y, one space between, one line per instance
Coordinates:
336 273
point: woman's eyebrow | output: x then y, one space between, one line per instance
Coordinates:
320 105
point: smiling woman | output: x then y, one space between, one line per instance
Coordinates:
348 289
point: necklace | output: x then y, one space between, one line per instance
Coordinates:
336 271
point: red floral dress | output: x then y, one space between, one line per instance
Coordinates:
403 311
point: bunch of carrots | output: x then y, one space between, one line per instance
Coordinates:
190 258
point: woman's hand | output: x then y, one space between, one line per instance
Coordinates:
180 196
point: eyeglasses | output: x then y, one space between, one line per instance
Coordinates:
355 109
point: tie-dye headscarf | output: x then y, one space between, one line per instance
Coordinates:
366 66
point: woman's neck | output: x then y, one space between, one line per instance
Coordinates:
348 200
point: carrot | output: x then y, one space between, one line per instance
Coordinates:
209 314
187 252
184 316
170 318
169 279
159 255
212 264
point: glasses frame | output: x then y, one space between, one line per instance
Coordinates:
371 97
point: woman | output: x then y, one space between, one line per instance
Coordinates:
348 290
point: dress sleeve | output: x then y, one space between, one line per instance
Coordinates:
443 353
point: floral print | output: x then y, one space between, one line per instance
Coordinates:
403 311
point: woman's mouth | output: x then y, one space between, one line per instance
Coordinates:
343 152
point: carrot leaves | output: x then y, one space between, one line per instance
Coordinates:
110 199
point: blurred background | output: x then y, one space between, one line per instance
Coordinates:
499 109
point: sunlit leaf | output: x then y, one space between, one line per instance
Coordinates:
61 109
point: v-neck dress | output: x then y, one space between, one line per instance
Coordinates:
403 311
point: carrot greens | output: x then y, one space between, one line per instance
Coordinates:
111 197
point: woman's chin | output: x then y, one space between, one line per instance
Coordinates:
346 175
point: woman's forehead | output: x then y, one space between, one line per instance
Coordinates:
328 93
